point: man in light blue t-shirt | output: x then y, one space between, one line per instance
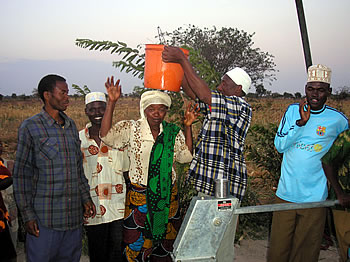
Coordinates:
305 134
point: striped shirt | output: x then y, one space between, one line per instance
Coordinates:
48 180
219 149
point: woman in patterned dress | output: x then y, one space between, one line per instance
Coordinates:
151 219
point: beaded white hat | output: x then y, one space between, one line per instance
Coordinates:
319 73
95 96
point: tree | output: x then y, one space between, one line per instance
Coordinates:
276 95
212 53
22 97
35 93
137 91
287 95
225 49
260 90
134 61
297 95
342 92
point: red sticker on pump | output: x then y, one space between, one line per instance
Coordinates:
224 205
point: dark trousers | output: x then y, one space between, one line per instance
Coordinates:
54 245
104 241
8 252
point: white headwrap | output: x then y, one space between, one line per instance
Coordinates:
95 96
240 77
153 98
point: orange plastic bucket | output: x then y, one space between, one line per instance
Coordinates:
160 75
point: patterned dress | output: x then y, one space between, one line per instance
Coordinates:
138 240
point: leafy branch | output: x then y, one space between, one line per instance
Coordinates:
132 61
81 90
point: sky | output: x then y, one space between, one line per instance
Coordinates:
38 37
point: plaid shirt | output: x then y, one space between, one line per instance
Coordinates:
219 149
48 180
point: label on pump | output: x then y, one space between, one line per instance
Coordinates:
224 205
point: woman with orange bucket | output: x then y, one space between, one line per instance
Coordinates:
151 219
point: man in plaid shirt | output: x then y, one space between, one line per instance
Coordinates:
219 149
50 187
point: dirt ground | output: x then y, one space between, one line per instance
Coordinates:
249 250
255 251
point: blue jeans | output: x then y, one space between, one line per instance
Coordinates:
54 245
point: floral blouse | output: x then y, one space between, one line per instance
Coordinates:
137 137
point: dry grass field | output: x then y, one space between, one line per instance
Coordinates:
13 112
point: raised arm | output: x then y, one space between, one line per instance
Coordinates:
187 89
288 130
199 88
114 92
191 115
304 114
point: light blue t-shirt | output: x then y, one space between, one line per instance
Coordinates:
302 177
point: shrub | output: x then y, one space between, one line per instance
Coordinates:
262 150
255 225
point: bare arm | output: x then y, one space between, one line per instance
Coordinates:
191 115
195 83
187 89
304 115
344 199
114 92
